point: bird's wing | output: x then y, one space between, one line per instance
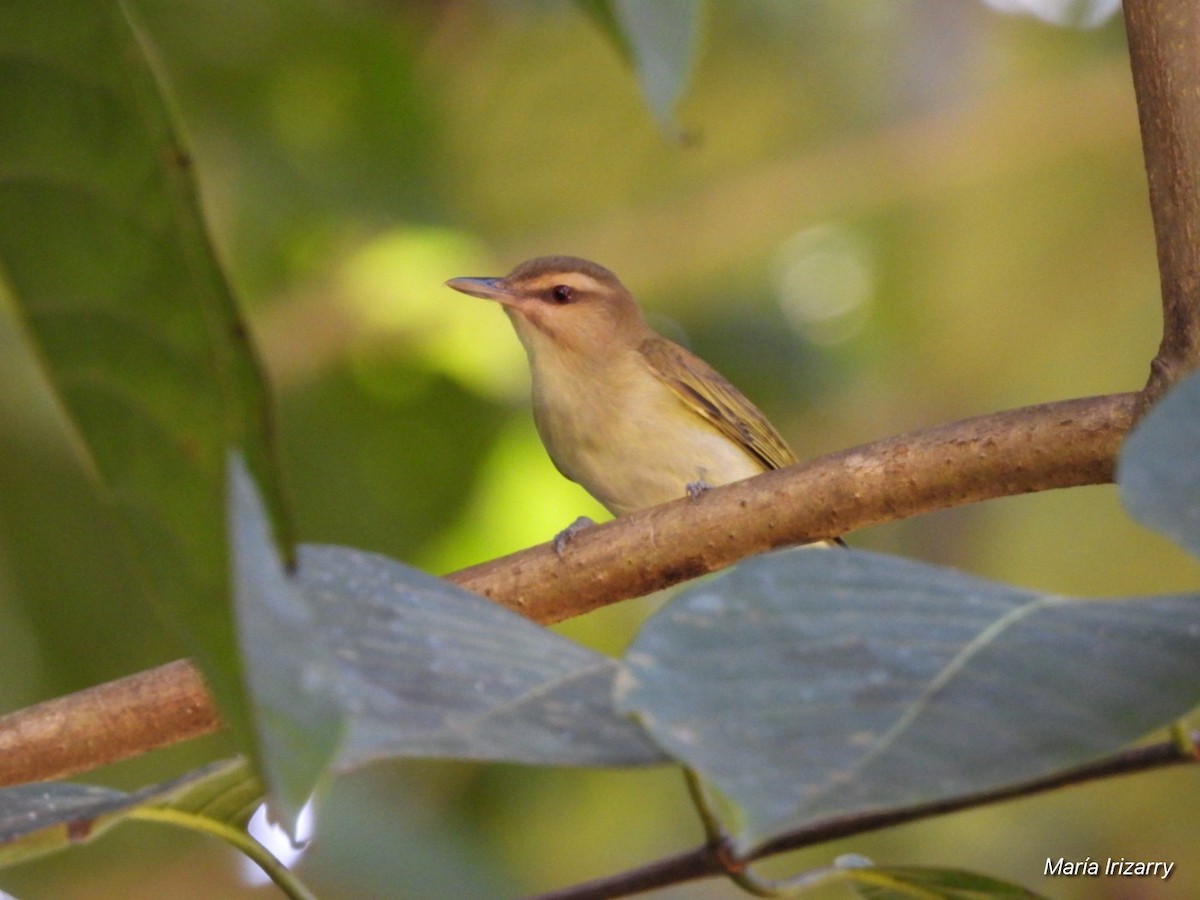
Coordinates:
703 389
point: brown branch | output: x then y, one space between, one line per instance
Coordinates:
1032 449
1036 448
1164 51
105 724
704 862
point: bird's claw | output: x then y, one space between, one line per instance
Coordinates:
563 538
697 487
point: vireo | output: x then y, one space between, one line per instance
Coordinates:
634 418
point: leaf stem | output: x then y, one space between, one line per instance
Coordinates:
284 879
737 868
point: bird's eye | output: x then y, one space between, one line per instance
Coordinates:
561 293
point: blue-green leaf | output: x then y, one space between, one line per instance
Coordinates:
1159 469
660 38
36 819
807 684
428 669
356 657
292 673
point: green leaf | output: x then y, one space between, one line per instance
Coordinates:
884 882
36 819
103 250
218 799
660 38
808 684
227 791
428 669
602 13
908 882
1159 468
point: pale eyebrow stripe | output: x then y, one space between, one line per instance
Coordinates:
577 279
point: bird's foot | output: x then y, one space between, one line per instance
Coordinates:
697 487
563 538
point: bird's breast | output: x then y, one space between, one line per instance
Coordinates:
628 438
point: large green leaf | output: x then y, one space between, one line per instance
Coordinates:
1159 469
103 250
807 684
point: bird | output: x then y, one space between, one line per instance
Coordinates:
633 417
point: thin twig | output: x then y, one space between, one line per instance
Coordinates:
105 724
1036 448
704 862
238 838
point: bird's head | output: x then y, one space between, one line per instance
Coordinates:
569 304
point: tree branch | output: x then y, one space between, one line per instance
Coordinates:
105 724
1036 448
1163 39
704 862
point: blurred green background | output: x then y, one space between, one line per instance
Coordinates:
873 216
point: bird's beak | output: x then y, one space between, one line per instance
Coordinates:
487 288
